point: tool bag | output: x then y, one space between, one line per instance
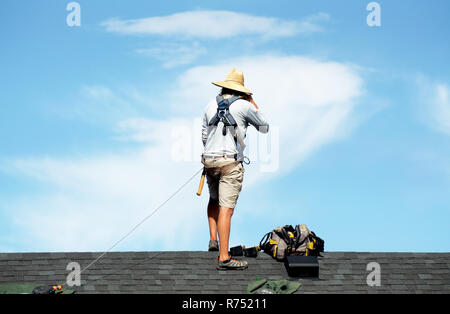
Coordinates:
287 241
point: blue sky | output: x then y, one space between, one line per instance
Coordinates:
99 122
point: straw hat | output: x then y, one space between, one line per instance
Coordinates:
234 81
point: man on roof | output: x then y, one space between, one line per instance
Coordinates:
224 128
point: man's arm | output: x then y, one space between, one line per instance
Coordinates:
256 118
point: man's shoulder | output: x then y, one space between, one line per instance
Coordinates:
241 105
242 101
211 104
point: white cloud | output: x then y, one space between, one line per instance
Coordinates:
99 104
215 24
442 107
434 100
173 54
94 200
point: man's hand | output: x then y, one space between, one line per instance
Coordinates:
250 99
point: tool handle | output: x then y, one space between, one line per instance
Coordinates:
200 187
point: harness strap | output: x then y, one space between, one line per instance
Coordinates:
223 115
225 103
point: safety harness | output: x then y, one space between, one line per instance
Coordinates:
229 123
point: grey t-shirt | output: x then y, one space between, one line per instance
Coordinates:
215 143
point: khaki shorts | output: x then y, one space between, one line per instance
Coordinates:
224 177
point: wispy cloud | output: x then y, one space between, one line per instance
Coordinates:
441 108
216 25
105 105
434 98
174 54
94 199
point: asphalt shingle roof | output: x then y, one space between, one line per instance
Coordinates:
195 272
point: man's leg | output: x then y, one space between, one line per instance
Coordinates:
213 214
223 227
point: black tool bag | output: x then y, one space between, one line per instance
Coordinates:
288 241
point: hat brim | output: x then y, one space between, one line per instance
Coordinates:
234 86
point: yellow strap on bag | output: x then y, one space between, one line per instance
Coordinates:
309 246
275 243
